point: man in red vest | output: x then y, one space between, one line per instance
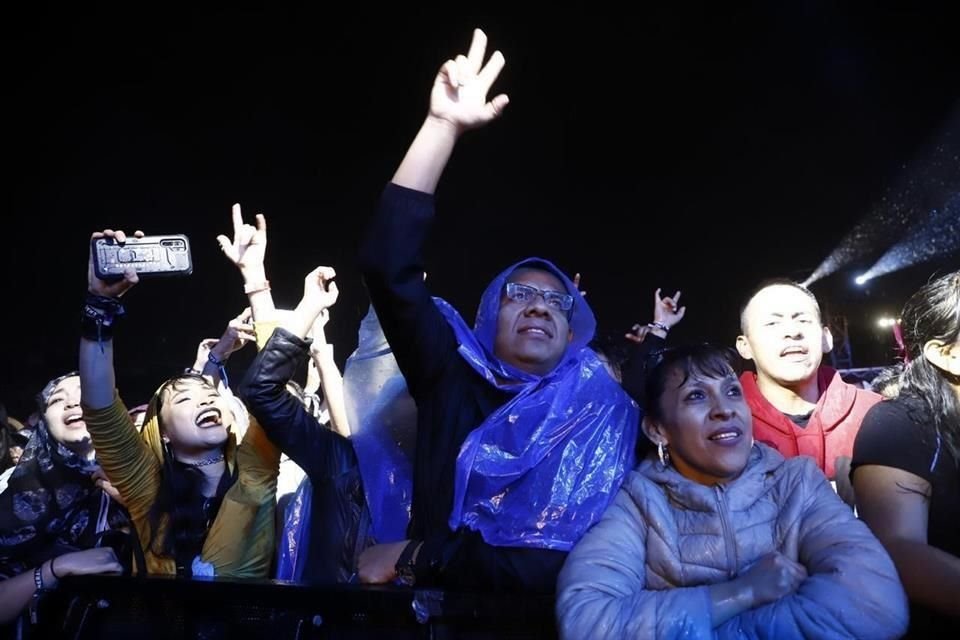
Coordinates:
799 406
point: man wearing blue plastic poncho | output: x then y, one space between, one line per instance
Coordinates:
522 438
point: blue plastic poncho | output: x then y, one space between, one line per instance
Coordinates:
383 423
542 468
291 563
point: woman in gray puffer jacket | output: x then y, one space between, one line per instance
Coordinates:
721 537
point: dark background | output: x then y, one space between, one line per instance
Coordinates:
698 147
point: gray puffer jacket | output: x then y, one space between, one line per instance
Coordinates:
644 570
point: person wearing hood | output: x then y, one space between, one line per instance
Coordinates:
522 438
202 504
52 513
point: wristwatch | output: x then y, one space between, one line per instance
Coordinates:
405 564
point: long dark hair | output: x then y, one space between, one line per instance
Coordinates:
933 313
177 496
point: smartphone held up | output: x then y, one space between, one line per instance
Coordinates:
149 256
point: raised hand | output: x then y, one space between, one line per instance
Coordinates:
239 333
249 244
666 310
319 290
459 94
319 294
666 314
576 285
102 287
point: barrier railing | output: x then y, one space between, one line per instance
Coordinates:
146 608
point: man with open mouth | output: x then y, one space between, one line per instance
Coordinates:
799 405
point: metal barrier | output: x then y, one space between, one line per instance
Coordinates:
147 608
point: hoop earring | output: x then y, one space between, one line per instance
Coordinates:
167 451
663 454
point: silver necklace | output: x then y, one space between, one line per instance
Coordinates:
209 461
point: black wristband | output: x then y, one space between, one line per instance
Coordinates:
406 556
405 566
52 572
99 316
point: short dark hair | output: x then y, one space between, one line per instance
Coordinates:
697 359
774 282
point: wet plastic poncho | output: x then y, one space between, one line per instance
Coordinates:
543 467
383 423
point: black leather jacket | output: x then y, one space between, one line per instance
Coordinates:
339 519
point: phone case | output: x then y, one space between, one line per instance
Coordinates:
162 255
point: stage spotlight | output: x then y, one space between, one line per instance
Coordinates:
936 235
917 216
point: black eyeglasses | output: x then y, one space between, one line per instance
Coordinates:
524 294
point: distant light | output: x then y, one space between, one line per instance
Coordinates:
886 323
935 234
917 216
861 280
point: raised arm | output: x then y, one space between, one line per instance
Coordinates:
281 415
458 102
391 253
247 251
212 353
132 469
323 370
649 338
101 311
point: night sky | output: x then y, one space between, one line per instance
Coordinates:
702 148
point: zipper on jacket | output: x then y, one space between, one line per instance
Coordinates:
728 536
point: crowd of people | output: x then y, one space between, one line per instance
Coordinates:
659 491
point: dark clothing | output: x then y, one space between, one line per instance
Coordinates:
800 420
452 400
52 506
900 434
339 520
640 360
